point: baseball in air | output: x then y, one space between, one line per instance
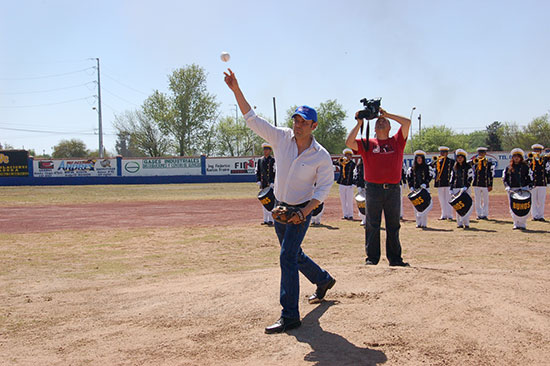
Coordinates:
225 56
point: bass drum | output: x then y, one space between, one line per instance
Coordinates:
461 203
361 202
317 210
420 198
267 198
520 202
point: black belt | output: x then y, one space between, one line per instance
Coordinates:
384 185
300 205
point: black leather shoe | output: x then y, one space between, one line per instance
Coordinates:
400 264
282 325
321 291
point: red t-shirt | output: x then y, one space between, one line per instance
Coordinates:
384 160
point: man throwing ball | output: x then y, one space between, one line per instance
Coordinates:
303 180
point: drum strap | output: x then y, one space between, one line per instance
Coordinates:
365 144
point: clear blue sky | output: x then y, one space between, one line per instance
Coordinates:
464 64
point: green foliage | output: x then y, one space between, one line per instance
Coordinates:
73 148
234 138
435 136
493 141
186 112
539 130
330 131
139 135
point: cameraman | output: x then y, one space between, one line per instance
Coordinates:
382 167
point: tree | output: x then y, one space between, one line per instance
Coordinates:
476 139
124 145
73 148
184 114
539 131
235 138
330 131
493 136
511 136
6 146
144 136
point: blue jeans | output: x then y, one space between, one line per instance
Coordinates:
292 260
378 199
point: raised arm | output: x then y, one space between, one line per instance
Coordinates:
351 141
403 121
232 83
257 124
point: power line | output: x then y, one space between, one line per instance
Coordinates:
55 132
119 97
49 76
44 105
125 85
48 90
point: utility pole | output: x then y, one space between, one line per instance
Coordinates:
420 126
274 112
99 111
237 125
411 133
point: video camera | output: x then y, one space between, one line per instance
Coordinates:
372 108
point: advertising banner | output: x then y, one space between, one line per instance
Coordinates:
500 159
75 168
14 163
231 166
161 166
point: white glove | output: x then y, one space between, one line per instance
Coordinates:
271 185
423 186
526 188
412 189
463 189
259 183
507 189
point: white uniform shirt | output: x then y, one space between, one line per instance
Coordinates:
296 174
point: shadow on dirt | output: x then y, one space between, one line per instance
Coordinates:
324 226
330 348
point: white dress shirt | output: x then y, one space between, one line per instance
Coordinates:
299 178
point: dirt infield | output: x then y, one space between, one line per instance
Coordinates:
195 281
38 218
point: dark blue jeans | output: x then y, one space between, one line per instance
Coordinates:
380 199
292 260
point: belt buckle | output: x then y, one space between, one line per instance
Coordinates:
386 186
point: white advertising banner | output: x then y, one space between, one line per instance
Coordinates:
501 159
161 166
231 166
75 168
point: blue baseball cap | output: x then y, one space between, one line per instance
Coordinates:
306 112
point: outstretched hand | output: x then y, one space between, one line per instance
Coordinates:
231 80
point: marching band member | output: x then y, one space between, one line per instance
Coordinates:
419 176
461 179
359 181
345 180
484 171
540 166
517 176
443 166
265 177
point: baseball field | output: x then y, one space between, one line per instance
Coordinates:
186 275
